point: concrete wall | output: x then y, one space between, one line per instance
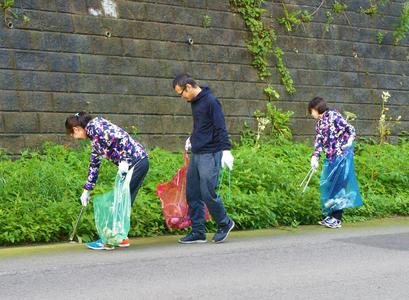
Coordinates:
62 62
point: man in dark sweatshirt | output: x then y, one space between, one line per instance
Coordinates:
210 147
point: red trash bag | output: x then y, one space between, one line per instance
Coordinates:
172 196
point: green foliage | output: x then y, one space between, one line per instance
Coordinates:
6 4
350 116
379 37
207 20
261 42
402 29
40 195
279 122
285 74
40 191
271 92
290 19
339 7
371 10
133 130
330 20
386 123
247 136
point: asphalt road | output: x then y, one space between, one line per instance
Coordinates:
357 262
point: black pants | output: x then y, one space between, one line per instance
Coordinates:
337 214
139 172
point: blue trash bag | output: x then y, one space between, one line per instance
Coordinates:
112 212
338 184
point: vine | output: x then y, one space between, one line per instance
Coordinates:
339 7
290 19
372 10
262 38
379 37
402 29
271 92
330 20
285 75
261 43
207 21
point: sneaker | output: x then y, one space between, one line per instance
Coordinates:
124 243
223 232
322 222
193 238
99 245
333 223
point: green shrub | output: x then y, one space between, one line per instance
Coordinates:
40 191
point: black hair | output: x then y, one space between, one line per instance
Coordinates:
183 79
318 104
79 119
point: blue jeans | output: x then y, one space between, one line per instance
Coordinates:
201 183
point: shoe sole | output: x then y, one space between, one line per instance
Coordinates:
228 232
105 248
124 246
333 227
193 242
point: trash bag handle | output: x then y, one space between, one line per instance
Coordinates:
220 181
186 157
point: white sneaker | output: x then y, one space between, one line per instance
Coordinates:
333 223
322 222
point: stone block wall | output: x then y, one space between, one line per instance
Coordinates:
118 59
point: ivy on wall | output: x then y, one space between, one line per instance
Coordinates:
263 36
262 41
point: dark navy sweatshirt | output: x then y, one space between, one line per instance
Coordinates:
209 129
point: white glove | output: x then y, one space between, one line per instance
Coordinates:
85 198
348 144
314 162
123 168
188 145
227 159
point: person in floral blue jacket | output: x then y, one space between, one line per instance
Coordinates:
335 137
115 144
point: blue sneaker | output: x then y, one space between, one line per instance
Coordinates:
223 232
99 245
324 221
193 238
333 223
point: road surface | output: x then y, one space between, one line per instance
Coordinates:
365 261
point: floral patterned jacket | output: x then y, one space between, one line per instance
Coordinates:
333 131
111 142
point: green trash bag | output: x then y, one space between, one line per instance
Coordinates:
112 212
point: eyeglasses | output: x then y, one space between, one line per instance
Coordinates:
181 93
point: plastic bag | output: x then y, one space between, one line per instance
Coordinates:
338 184
112 211
172 196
